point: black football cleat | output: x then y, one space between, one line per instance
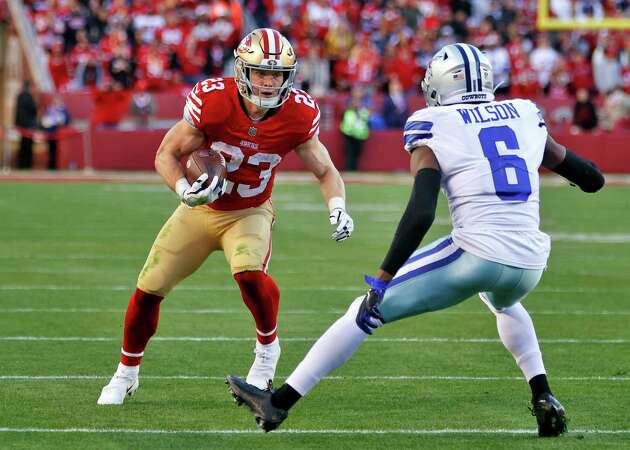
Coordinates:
267 416
550 416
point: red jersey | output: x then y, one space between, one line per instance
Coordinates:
251 149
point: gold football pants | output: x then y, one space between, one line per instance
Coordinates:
190 235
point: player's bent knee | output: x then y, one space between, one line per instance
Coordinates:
154 282
498 305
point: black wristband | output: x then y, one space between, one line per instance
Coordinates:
581 172
416 220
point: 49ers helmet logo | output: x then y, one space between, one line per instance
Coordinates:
245 45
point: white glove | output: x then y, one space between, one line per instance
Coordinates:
196 194
345 225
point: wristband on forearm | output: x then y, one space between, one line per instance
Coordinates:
336 202
180 186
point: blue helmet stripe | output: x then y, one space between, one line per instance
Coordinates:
466 67
474 52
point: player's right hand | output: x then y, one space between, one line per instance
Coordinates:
369 316
201 192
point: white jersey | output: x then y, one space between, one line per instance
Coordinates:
489 155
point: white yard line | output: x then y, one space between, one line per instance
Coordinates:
411 340
358 289
337 431
330 378
596 238
292 312
57 287
287 177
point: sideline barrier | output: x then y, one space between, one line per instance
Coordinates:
114 149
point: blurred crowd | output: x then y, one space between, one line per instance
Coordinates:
371 45
153 45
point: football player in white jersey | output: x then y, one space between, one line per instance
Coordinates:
485 154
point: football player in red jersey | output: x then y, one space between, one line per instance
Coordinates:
254 120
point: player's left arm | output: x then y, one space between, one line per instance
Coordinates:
419 214
414 224
315 157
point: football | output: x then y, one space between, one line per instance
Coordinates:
205 161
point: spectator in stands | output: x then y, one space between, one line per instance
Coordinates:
458 25
58 66
142 104
584 112
110 104
543 59
191 56
616 110
85 60
499 57
315 70
96 25
173 31
337 45
559 83
589 9
217 53
25 122
75 21
261 10
363 64
581 74
153 65
395 107
54 117
400 63
121 67
339 40
355 130
195 33
606 66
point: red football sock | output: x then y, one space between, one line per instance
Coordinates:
262 297
141 321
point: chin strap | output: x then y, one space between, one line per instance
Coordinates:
497 86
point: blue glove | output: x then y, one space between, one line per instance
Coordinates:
378 285
369 317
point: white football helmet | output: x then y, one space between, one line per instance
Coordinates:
458 73
264 49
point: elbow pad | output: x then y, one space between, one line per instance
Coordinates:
581 172
416 220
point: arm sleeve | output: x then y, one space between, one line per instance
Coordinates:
416 220
581 172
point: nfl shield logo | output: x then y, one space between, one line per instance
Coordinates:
251 131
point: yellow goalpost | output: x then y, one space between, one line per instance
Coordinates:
545 22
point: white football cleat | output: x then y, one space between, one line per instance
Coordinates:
264 368
124 382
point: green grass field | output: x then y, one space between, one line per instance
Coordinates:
70 254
